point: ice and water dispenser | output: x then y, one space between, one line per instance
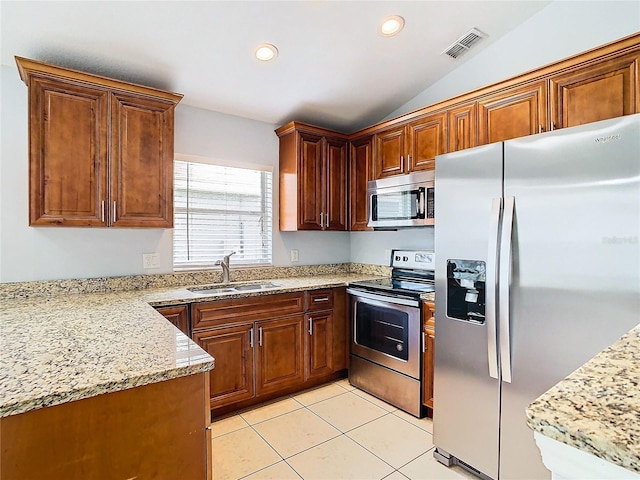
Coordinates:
466 290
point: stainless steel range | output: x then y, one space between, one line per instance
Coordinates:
386 323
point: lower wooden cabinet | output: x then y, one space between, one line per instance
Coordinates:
428 336
232 379
178 315
273 344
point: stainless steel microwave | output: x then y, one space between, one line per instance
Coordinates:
402 201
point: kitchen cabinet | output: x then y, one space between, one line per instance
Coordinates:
159 430
271 345
428 344
515 112
100 150
411 147
598 91
178 315
463 126
313 178
360 173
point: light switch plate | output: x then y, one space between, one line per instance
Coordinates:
150 260
294 255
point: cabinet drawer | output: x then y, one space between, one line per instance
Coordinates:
319 300
243 310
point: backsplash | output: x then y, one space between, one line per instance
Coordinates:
202 277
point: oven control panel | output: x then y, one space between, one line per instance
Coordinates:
423 259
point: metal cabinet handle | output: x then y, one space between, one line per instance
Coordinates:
102 210
408 158
321 299
540 130
259 336
251 337
114 211
310 326
321 219
327 219
553 126
424 342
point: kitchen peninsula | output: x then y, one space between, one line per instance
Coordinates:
587 425
103 377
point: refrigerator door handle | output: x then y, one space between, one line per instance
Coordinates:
492 272
504 286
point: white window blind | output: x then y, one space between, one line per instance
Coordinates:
218 210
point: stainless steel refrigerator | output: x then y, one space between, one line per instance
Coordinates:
537 270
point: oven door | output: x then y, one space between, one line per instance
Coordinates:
386 331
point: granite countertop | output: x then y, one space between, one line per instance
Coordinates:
596 409
60 348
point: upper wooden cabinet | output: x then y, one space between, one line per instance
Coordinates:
313 178
515 112
100 150
360 173
463 126
598 91
411 147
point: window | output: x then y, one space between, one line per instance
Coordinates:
218 210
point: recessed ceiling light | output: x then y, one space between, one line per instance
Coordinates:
391 26
266 52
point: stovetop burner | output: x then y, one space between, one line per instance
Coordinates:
413 274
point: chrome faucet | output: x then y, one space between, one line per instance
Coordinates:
224 263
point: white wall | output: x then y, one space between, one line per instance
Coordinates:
28 253
560 30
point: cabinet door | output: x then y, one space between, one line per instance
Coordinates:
310 182
280 354
68 125
463 127
390 151
427 138
319 344
429 335
607 89
336 184
513 113
232 379
141 162
360 172
178 315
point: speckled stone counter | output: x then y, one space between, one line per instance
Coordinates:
596 409
59 348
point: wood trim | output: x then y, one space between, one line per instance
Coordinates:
27 67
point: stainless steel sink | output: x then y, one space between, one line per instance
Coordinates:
247 287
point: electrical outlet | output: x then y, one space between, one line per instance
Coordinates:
150 260
294 255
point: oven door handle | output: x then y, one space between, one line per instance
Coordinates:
384 298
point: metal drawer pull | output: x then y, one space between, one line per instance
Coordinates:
260 336
321 299
311 326
251 337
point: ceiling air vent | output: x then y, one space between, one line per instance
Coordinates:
464 43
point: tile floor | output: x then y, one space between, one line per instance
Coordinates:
331 432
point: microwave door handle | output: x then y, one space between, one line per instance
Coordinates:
421 205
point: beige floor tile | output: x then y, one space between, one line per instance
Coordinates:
270 410
240 453
340 458
344 383
393 440
346 412
426 467
279 471
424 423
395 476
296 431
316 395
375 400
227 425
